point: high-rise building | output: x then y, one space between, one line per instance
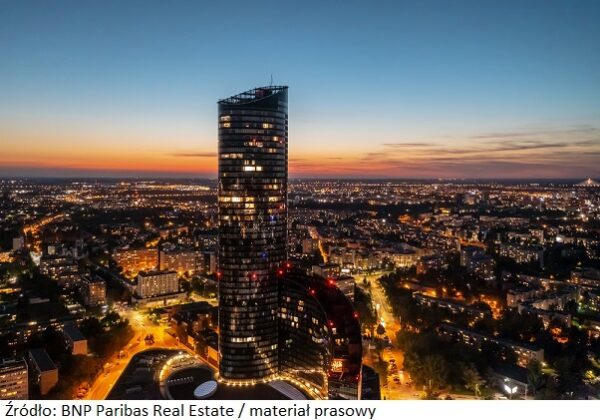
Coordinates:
253 138
14 380
320 338
274 321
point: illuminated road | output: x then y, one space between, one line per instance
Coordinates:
314 234
115 366
400 390
34 229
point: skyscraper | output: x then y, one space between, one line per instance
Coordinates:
253 136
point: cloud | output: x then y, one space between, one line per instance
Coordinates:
484 149
195 154
511 146
571 153
415 144
574 130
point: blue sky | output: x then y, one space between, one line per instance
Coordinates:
406 89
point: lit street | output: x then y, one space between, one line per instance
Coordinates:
398 381
142 326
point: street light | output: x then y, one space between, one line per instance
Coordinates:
511 390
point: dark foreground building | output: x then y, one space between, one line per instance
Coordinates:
320 337
274 322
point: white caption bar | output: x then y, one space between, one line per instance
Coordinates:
315 410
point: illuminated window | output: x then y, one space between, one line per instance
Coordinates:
226 125
225 117
253 143
249 168
232 155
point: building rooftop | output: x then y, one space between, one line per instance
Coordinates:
42 360
73 332
253 95
92 278
10 364
155 273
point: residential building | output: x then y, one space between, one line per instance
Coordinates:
14 380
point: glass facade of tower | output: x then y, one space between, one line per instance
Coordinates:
319 337
253 138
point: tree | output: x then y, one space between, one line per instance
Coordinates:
430 370
534 376
51 340
472 379
111 318
381 367
571 307
90 327
186 287
569 374
436 370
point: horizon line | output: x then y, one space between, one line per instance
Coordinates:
308 178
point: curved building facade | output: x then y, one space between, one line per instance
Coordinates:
252 190
320 337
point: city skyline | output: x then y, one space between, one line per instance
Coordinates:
412 91
320 201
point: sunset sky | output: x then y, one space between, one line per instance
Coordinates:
419 89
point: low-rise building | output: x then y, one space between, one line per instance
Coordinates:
14 379
93 291
326 270
522 254
157 283
525 352
75 340
347 285
511 381
62 269
180 260
133 261
309 246
209 262
586 278
44 371
452 306
431 263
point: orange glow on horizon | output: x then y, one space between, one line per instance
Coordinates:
156 154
